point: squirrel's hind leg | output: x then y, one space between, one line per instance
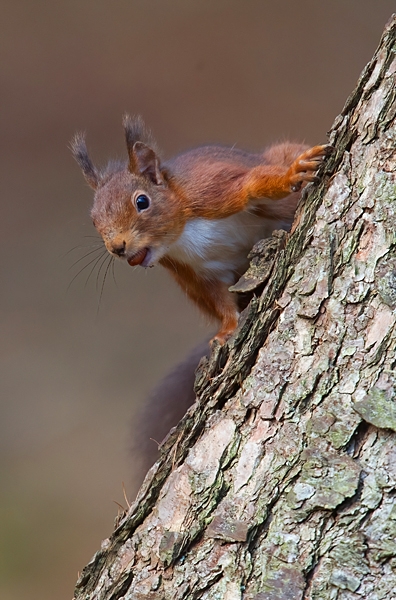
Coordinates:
210 294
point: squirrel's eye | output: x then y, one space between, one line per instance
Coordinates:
142 202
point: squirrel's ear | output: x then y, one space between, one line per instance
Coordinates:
80 153
143 160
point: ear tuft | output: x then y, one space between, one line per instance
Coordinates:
135 131
80 153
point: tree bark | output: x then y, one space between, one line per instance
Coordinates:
280 481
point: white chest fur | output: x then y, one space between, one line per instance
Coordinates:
220 247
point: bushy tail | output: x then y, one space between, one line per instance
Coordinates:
163 409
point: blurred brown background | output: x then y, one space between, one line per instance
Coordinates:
72 376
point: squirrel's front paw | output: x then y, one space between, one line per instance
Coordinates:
303 168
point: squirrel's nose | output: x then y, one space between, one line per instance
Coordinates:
118 249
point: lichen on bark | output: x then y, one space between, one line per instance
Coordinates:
279 483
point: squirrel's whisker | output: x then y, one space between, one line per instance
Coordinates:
94 267
104 280
83 269
112 269
79 246
103 262
85 256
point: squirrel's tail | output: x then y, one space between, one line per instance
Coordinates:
163 409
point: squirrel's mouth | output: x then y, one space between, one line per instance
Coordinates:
139 257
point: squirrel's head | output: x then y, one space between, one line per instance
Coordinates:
135 208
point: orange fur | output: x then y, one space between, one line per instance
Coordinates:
206 208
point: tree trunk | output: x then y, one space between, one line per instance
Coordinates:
280 481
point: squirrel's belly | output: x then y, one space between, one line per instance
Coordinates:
219 248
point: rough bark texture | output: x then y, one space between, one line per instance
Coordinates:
280 482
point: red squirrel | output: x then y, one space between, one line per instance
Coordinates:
198 214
